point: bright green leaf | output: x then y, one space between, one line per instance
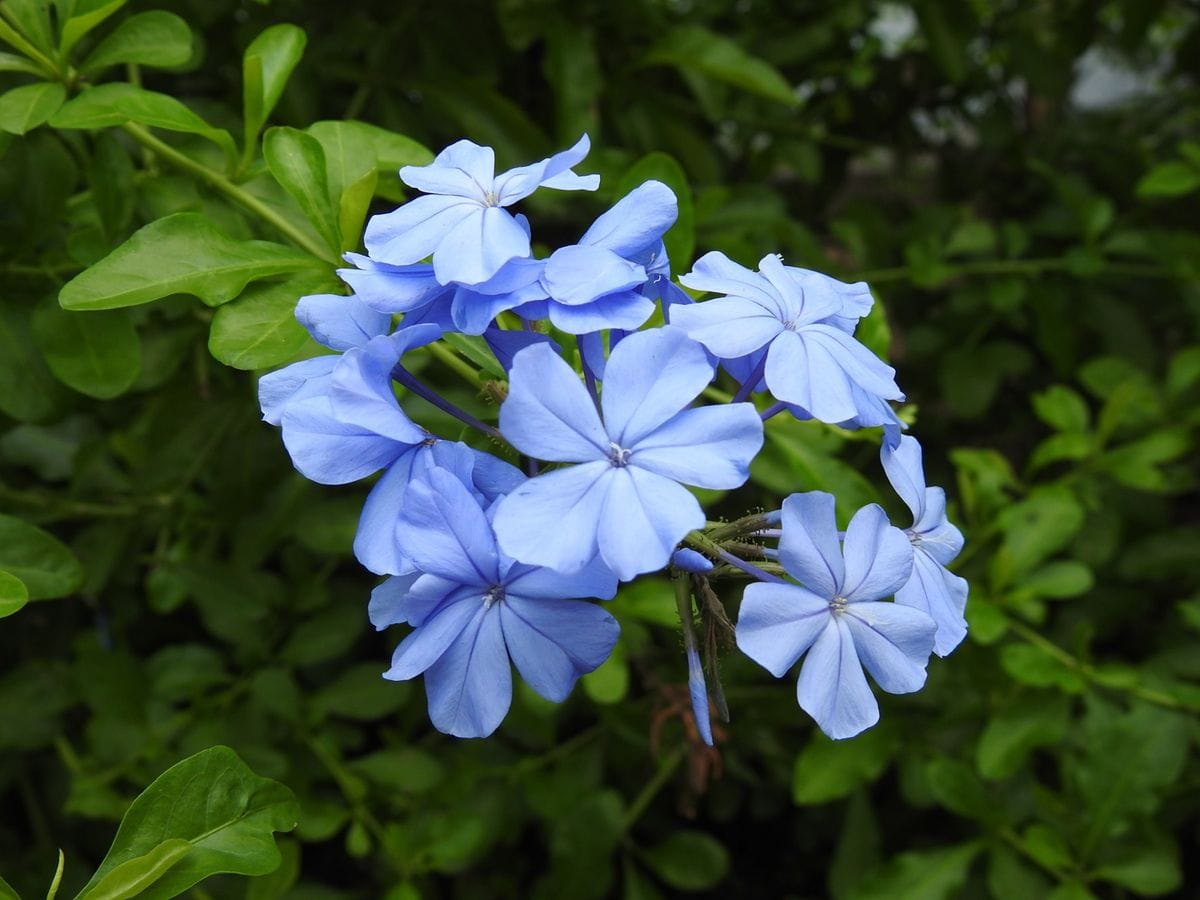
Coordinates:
156 38
95 353
25 108
1169 179
681 237
266 66
688 860
13 594
1062 408
116 103
259 329
132 877
350 174
826 769
32 18
222 809
297 162
11 62
693 48
180 254
85 16
1033 666
610 682
7 892
47 568
1062 578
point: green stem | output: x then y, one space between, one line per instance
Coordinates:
463 368
1087 671
640 803
223 185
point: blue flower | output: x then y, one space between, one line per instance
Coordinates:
625 500
835 617
803 319
935 542
461 219
473 609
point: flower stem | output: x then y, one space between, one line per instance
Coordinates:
410 381
223 185
752 381
647 794
461 367
714 551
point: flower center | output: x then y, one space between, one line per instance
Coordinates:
618 455
838 605
494 595
490 198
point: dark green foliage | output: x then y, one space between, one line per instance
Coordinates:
173 588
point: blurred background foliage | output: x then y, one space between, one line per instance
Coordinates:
1017 179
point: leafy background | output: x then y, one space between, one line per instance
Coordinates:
1017 180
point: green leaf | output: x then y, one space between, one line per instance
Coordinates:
406 769
1062 408
266 66
28 392
1031 720
1062 578
826 769
1169 179
297 162
681 237
7 892
32 19
924 875
85 16
212 801
1148 867
47 568
688 860
1033 666
13 594
96 353
958 789
1038 527
132 877
11 62
350 174
156 38
180 254
109 105
609 682
25 108
259 329
476 349
693 48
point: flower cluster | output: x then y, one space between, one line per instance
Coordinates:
494 565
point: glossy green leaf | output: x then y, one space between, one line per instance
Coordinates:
694 48
25 108
109 105
179 254
259 329
266 66
95 353
826 769
132 877
1169 179
350 174
681 237
216 804
13 594
155 38
688 860
42 562
32 19
297 162
85 16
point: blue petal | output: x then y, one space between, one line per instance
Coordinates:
624 309
809 548
933 533
690 561
940 594
505 345
710 446
464 169
636 222
340 322
730 327
698 691
361 391
553 642
470 686
878 556
387 601
416 229
818 369
893 642
494 477
649 378
427 643
552 520
553 172
579 274
904 471
327 450
777 623
548 413
593 580
478 245
392 289
717 273
644 517
427 596
832 687
307 378
445 532
800 307
375 541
